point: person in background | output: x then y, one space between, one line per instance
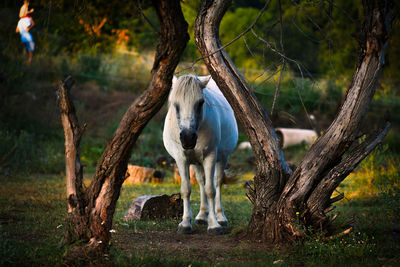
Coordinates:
24 11
25 24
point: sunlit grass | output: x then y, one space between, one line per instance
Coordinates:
378 170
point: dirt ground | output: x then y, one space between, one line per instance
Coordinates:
196 246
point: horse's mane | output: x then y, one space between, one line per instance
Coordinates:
186 87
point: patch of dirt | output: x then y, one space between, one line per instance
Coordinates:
196 246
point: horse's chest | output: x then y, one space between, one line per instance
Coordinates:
193 156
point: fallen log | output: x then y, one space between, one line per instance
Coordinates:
289 137
177 176
139 175
229 178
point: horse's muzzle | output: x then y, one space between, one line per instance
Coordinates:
188 138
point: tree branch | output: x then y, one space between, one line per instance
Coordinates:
139 7
320 196
73 133
237 37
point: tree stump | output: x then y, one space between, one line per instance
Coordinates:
160 207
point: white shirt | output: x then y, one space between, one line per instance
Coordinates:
22 26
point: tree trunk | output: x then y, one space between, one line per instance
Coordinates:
285 203
91 209
270 163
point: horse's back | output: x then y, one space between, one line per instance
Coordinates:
226 118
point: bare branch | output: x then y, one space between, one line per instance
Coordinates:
302 32
308 17
277 89
329 209
237 37
336 199
337 174
269 45
139 7
345 232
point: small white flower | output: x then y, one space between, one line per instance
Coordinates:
112 231
59 226
100 242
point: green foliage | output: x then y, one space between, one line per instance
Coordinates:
242 18
149 145
299 96
390 79
338 53
386 178
91 152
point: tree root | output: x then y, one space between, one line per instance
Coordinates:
87 254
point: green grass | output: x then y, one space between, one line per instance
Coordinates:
32 210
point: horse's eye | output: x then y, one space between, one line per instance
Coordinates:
200 104
177 108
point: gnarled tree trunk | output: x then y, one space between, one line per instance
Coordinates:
91 209
286 203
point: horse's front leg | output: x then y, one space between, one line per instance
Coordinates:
185 227
218 177
209 168
202 217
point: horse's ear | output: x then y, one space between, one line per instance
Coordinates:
174 79
204 80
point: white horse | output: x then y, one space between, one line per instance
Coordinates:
200 130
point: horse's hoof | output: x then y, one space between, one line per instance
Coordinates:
200 221
184 230
223 223
214 231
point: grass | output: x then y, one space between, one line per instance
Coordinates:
32 210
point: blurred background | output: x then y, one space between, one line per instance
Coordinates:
108 48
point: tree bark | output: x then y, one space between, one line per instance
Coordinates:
91 209
286 203
270 163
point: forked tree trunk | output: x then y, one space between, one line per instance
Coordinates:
91 209
285 203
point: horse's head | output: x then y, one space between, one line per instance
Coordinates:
186 99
